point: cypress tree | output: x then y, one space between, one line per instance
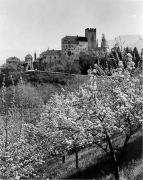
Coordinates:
136 57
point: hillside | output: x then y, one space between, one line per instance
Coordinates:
128 40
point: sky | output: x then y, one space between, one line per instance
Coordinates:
27 26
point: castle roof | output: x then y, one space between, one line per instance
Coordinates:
73 39
28 56
50 52
81 38
70 39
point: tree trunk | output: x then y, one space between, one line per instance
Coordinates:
114 159
121 155
116 171
63 159
76 159
116 165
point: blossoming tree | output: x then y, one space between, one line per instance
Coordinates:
116 113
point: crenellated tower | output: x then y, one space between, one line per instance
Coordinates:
90 34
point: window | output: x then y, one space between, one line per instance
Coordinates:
29 68
69 53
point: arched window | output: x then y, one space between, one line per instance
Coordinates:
29 68
69 53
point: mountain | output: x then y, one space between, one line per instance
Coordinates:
128 40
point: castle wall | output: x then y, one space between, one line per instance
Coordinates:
73 50
50 56
90 34
69 50
73 45
83 46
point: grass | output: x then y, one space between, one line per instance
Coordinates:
54 77
138 171
92 159
134 171
104 165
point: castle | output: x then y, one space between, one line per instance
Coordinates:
71 47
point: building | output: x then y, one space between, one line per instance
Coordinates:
50 56
47 60
13 60
90 34
14 63
29 62
71 47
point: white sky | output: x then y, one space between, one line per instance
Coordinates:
27 26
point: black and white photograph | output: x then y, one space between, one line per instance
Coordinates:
71 89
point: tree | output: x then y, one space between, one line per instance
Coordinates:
18 138
120 43
62 122
136 57
104 45
88 60
110 112
8 68
12 64
141 60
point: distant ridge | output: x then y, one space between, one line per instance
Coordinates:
129 40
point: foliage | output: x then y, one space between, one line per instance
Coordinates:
12 64
104 45
117 112
96 113
63 125
19 113
136 57
86 61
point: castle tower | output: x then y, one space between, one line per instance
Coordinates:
90 34
29 61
